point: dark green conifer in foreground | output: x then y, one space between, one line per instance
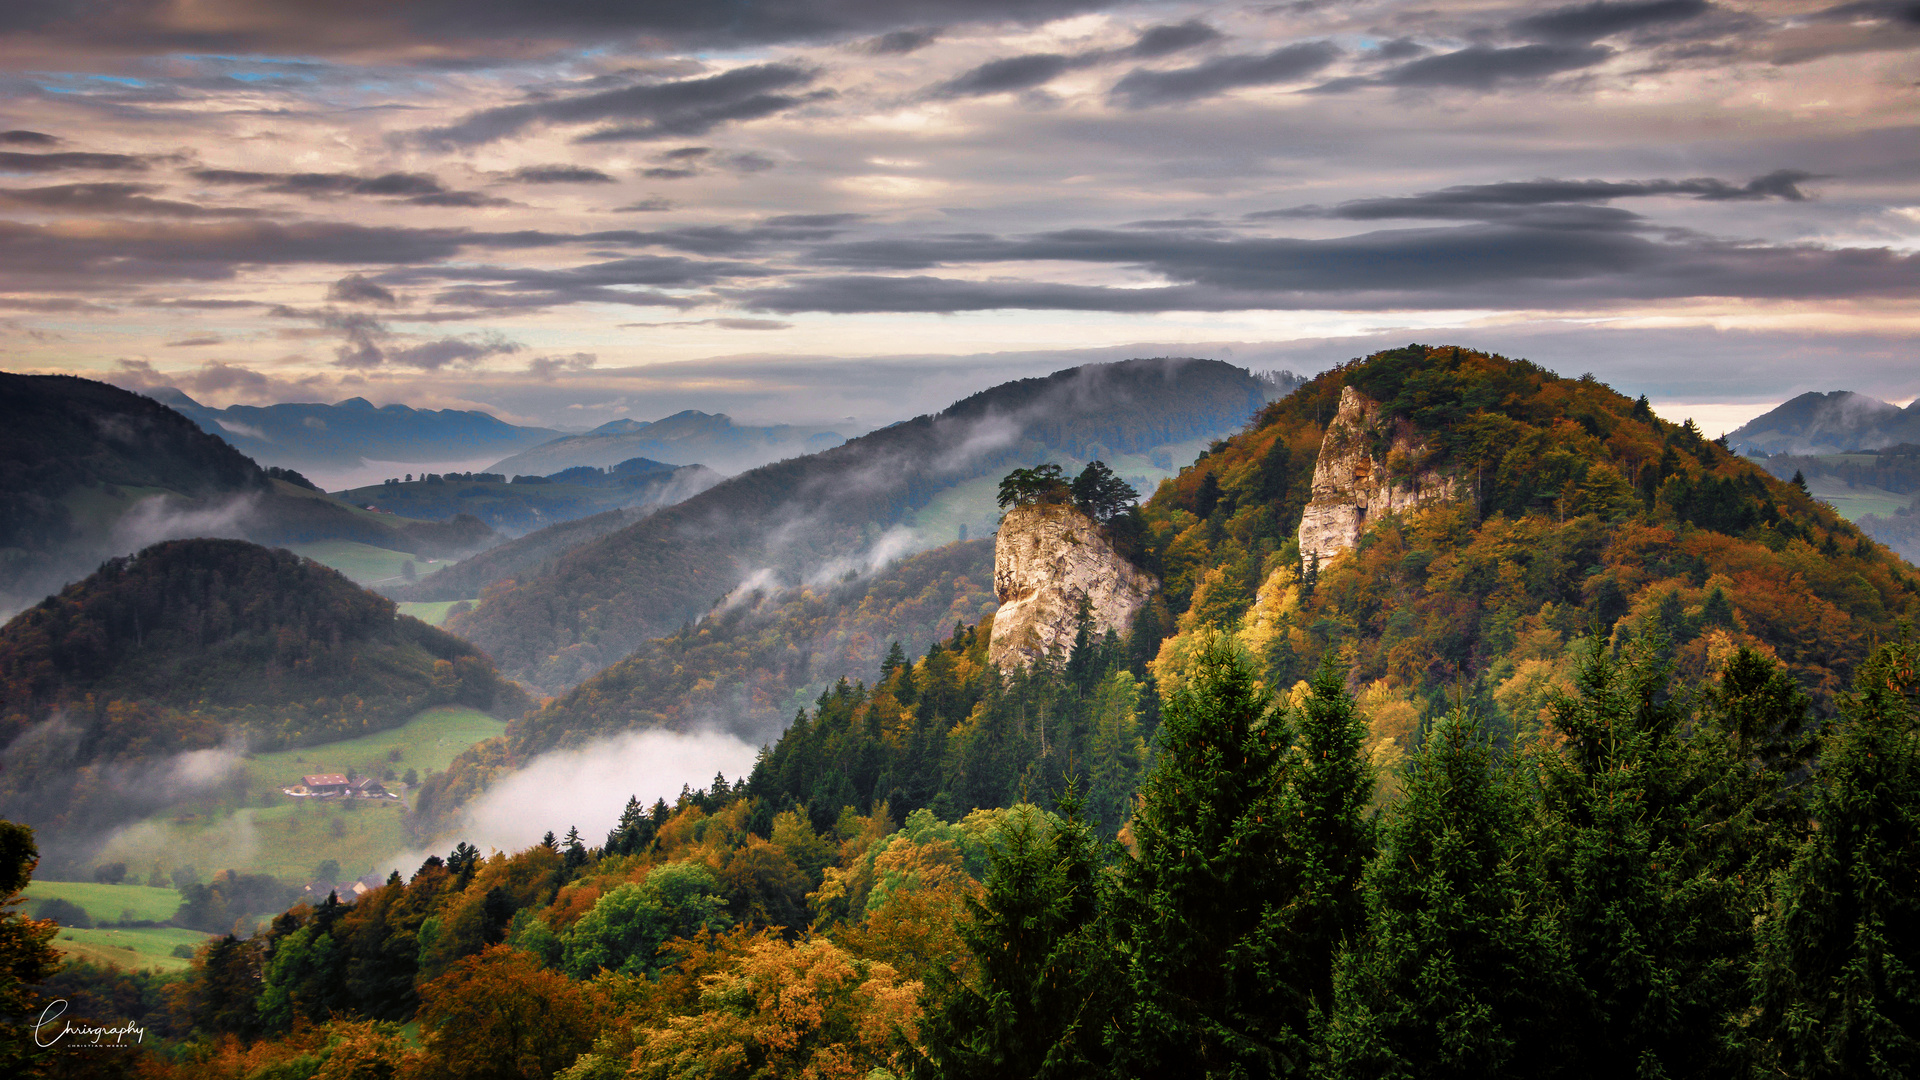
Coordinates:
1657 920
1839 973
1463 970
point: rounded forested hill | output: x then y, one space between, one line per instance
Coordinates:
1583 513
192 643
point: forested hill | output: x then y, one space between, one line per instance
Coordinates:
88 471
834 512
1585 514
192 644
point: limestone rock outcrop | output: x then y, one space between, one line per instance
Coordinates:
1045 558
1352 487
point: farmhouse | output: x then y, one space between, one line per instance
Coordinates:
325 784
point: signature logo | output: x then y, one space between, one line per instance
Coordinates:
126 1034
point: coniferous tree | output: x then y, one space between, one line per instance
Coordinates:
1212 988
1045 988
1336 832
1658 923
1839 974
1463 971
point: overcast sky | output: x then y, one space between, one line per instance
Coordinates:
566 211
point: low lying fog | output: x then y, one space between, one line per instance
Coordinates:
589 787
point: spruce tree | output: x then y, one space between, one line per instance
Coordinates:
1462 971
1839 974
1658 914
1213 991
1336 832
1043 994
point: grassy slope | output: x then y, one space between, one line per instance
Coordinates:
274 834
427 741
431 612
145 947
364 563
108 903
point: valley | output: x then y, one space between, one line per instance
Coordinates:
941 634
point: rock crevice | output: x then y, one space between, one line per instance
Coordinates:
1046 557
1352 487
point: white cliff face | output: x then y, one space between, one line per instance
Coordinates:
1045 558
1351 487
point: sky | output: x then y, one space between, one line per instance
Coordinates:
568 211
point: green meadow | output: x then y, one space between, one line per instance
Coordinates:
109 903
431 612
365 564
145 947
255 828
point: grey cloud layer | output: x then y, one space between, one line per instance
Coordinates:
451 32
653 110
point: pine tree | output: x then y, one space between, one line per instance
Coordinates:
1212 990
1839 974
1463 971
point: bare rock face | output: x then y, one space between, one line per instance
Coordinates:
1351 486
1045 558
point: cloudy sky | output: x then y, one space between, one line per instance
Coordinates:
568 210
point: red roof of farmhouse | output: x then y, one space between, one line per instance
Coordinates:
323 779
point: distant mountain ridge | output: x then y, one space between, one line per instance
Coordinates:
89 471
837 512
689 437
525 504
1829 423
310 435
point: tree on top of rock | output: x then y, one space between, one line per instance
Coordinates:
1042 483
1102 495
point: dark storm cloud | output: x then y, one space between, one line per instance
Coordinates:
1157 41
27 138
560 174
1500 201
1583 23
1474 265
1900 12
502 288
12 162
1005 75
1143 88
416 188
367 343
135 199
356 289
458 29
670 271
652 110
1482 67
546 367
39 258
900 42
